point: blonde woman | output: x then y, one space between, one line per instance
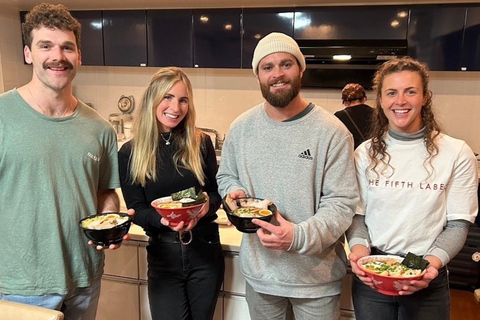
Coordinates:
168 154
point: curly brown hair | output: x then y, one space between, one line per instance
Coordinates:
377 150
50 16
352 92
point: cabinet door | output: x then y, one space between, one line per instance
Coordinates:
218 315
435 35
144 304
125 38
257 23
91 42
170 38
118 300
346 303
471 43
351 23
217 38
234 280
235 308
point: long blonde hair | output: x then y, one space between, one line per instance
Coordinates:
146 136
377 151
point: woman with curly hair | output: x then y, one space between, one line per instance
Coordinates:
417 194
168 154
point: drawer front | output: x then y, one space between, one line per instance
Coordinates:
122 262
142 261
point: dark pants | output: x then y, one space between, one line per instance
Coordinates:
184 280
431 303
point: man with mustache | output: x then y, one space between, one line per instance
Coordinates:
58 164
301 157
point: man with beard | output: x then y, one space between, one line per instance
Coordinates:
58 164
301 157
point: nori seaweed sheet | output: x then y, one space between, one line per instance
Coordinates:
415 262
189 193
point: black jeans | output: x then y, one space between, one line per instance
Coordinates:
184 280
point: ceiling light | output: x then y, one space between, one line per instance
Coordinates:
342 57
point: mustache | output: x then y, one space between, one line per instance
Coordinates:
58 64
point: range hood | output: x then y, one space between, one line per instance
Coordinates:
334 63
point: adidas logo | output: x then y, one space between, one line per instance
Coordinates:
306 155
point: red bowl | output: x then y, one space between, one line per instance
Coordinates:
177 215
388 285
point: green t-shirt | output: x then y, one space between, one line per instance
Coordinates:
50 172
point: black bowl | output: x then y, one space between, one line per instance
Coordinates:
106 237
245 224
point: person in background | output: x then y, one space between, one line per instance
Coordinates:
301 157
168 154
417 194
356 116
58 164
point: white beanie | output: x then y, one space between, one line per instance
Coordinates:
276 42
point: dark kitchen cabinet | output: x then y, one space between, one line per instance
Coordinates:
471 42
351 23
91 42
125 38
435 36
257 23
170 38
217 38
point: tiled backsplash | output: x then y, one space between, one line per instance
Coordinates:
220 95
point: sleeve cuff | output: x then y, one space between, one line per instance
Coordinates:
442 255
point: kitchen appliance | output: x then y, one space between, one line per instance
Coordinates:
346 44
327 68
122 121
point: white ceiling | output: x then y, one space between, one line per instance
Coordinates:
158 4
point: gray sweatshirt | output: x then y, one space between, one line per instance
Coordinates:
306 167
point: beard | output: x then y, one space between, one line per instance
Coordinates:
281 98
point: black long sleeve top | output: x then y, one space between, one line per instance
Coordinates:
362 115
169 180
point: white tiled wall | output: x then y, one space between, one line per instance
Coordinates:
220 95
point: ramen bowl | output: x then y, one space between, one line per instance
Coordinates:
105 229
175 214
388 284
243 222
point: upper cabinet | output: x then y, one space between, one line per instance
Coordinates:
170 38
257 23
351 23
217 38
435 36
471 44
125 38
447 37
91 42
